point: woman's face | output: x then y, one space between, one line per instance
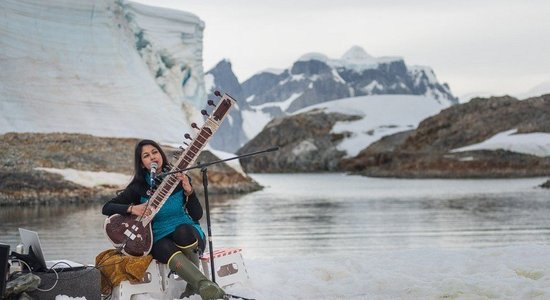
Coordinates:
150 154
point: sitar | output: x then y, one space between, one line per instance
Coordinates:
133 235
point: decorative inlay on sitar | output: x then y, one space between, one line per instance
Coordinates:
132 235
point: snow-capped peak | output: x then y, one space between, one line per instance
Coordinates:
356 58
314 56
274 71
425 70
356 54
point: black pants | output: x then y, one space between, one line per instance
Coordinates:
182 236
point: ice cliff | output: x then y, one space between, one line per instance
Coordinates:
107 68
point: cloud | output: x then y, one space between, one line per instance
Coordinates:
487 45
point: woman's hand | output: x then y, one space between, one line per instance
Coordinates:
139 210
187 187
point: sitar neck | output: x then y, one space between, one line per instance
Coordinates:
190 154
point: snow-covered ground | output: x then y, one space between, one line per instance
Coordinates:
497 273
537 143
90 178
381 115
519 272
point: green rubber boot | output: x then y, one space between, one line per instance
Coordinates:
185 268
191 254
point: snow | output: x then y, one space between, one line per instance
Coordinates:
92 179
381 115
65 297
275 71
431 273
286 103
174 36
423 69
283 105
254 121
356 58
209 82
536 143
356 53
298 77
372 86
384 115
304 147
89 178
337 77
74 67
314 56
514 272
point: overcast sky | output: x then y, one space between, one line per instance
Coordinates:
476 46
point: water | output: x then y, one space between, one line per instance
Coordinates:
300 214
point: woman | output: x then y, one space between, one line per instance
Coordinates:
177 235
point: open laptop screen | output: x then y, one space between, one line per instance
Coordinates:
30 239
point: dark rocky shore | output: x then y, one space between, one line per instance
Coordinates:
22 184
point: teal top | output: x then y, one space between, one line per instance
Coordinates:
171 215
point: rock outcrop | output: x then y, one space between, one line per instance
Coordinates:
230 136
305 140
427 151
22 183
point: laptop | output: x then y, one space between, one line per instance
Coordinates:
30 238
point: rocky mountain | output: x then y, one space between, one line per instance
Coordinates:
230 136
319 137
305 140
439 146
314 78
436 148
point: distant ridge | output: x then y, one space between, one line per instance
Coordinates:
315 78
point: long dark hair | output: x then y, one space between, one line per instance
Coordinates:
139 169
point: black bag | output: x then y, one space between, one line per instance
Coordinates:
31 260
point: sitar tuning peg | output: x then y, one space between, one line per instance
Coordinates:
217 93
194 125
177 154
187 136
211 103
205 113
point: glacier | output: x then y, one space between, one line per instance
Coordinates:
107 68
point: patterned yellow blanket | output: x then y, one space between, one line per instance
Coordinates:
116 267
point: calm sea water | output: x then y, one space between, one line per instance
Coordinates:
301 214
